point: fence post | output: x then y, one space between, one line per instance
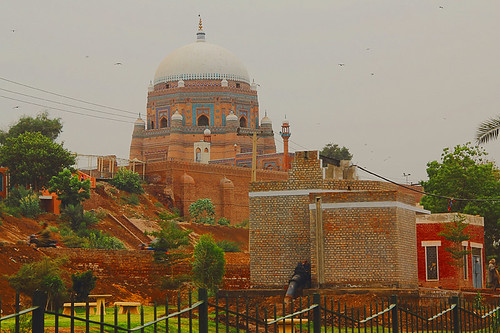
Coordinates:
203 311
317 313
456 314
38 317
394 314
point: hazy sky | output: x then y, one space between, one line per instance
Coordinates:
418 75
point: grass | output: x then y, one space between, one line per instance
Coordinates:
122 321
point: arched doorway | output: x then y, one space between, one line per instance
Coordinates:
203 120
243 122
163 122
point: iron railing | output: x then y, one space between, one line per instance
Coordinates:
242 314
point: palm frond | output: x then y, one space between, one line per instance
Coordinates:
488 130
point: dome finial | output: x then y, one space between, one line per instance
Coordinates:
200 35
200 25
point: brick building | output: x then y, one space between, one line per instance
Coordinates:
353 232
435 268
200 97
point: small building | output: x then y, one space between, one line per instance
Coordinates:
435 268
353 232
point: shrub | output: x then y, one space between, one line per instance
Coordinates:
83 283
223 221
169 237
159 205
127 180
202 211
21 201
208 264
74 241
229 246
79 220
30 205
69 188
174 282
166 215
243 224
43 275
131 200
99 240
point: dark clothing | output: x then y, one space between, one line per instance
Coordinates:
493 276
44 238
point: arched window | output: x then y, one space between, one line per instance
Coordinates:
163 122
152 124
206 150
198 155
203 120
243 122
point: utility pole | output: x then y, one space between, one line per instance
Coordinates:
251 132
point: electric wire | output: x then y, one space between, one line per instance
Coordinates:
74 112
70 105
71 98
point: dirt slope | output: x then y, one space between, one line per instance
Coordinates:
108 201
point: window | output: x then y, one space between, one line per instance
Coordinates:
237 85
243 122
163 122
152 124
431 262
1 182
203 120
206 150
466 268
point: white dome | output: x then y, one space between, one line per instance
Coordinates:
176 116
265 120
231 116
201 60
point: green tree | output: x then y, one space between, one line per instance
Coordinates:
169 237
33 159
50 128
83 284
334 151
455 233
127 180
202 211
43 275
488 130
464 174
208 264
69 189
78 220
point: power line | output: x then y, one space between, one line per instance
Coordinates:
74 112
422 192
59 95
70 105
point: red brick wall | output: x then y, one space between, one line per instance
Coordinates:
207 184
428 230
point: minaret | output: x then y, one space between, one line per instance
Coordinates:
285 134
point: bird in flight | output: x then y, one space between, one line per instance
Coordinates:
441 7
341 64
118 63
16 107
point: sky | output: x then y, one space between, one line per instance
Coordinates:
394 81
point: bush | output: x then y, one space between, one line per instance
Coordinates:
83 283
21 201
223 221
74 241
131 200
166 215
174 282
208 264
243 224
99 240
202 211
229 246
127 180
78 220
43 275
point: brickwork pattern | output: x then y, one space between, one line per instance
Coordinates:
365 246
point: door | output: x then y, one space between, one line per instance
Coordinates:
477 268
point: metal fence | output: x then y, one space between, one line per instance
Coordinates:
241 314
